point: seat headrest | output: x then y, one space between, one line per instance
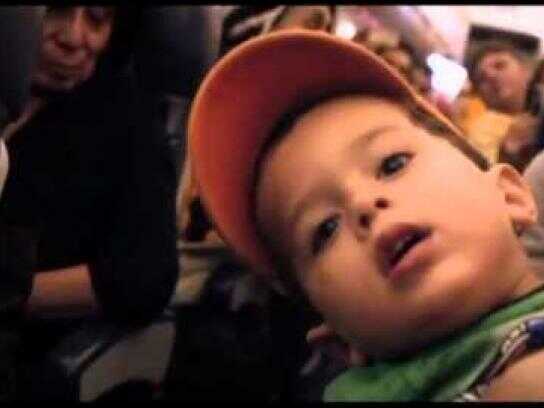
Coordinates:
174 48
20 37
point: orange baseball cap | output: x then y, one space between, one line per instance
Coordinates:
245 94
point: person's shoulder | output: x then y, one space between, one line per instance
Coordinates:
521 381
535 167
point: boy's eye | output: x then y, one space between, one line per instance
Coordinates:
323 234
393 163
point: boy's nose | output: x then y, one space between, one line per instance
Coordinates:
364 201
365 214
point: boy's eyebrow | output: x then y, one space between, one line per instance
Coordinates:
365 139
361 142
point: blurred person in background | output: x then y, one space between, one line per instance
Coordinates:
499 75
387 44
399 58
420 77
90 181
244 22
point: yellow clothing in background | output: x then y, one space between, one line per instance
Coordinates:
484 127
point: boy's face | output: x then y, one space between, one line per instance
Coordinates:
396 237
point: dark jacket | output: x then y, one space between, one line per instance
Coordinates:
89 176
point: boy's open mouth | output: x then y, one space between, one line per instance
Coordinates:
394 244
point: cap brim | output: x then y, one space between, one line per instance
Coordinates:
247 92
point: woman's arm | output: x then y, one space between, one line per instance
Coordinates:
128 266
65 292
134 269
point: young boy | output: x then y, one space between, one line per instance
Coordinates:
324 169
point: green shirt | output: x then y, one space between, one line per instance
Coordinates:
443 371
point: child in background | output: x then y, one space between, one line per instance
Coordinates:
327 172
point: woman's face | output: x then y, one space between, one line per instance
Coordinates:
73 39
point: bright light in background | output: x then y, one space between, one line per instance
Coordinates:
346 29
448 77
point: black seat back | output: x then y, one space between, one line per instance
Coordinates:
20 36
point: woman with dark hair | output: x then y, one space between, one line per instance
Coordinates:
91 182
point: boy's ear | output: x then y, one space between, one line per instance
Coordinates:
518 196
323 335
